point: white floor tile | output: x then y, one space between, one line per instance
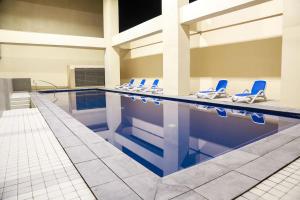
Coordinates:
281 185
33 164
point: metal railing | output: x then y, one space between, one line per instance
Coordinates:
54 86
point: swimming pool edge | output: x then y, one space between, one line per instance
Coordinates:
255 107
146 185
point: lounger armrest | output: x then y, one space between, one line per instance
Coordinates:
256 114
154 89
221 90
260 92
246 91
209 90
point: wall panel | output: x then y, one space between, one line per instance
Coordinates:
240 63
77 17
45 63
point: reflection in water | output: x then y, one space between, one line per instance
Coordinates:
166 136
257 118
144 99
220 111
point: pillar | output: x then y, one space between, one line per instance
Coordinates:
176 135
176 49
113 114
112 56
290 68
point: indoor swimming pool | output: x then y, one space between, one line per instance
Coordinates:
165 135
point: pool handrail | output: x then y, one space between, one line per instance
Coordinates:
52 84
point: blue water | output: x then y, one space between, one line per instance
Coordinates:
167 136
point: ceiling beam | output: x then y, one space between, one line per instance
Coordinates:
31 38
145 29
205 9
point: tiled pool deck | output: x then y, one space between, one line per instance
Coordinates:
113 175
33 165
283 185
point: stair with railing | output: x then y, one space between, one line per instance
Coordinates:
21 99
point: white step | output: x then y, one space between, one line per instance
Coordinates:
20 95
21 106
19 100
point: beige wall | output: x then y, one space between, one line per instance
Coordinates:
291 54
240 63
149 67
77 17
45 63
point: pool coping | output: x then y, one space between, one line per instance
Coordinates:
268 109
111 174
213 102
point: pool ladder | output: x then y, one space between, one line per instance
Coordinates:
54 86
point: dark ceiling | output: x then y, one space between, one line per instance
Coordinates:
134 12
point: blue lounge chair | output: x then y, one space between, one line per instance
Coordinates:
140 87
258 118
132 97
156 101
213 93
145 100
257 91
154 87
126 85
220 111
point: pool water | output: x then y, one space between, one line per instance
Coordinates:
167 136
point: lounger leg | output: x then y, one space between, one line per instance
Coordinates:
221 92
265 97
233 99
213 96
256 96
252 101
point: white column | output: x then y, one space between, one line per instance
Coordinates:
176 135
171 137
113 113
290 69
111 28
176 49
